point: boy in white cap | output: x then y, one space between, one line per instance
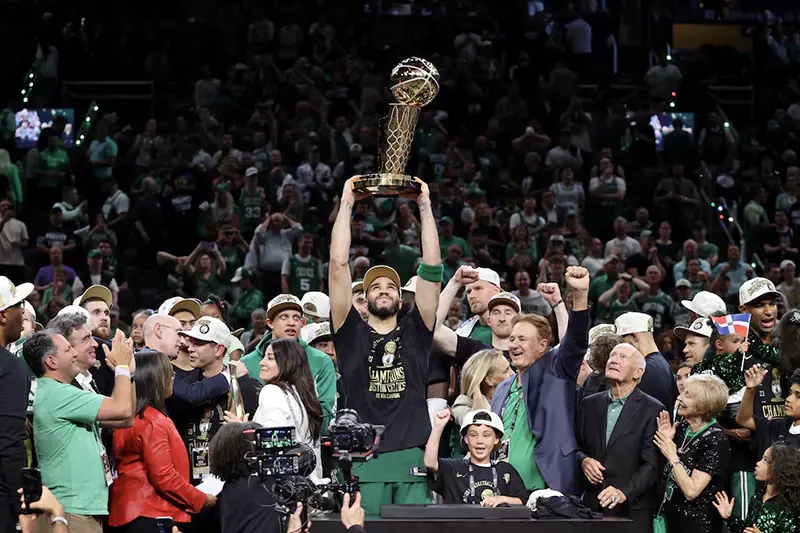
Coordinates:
477 479
657 381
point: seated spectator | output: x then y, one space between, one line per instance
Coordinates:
689 252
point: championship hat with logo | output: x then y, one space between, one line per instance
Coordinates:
209 329
316 304
504 298
282 302
11 295
482 417
753 289
629 323
701 326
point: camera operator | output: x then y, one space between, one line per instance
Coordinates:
245 503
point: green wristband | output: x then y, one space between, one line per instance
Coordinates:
434 274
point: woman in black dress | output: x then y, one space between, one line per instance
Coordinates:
697 453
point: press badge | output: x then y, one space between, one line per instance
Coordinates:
200 467
502 451
106 466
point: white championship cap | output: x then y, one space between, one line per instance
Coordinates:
628 323
411 285
504 298
705 304
11 295
281 302
312 333
316 304
600 330
209 329
485 417
701 326
753 289
487 274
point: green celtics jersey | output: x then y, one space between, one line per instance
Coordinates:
304 275
659 306
252 209
618 308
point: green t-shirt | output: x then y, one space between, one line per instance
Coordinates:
659 307
444 244
11 172
51 160
322 370
246 303
234 258
482 333
521 440
68 446
403 260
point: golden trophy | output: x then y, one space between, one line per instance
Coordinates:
416 84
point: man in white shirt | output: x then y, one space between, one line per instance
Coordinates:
622 244
561 156
13 238
314 177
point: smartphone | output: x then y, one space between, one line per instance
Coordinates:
164 524
31 487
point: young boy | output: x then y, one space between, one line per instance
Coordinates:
475 479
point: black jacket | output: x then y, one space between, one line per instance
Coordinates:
631 459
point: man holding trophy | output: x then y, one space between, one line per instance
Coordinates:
384 361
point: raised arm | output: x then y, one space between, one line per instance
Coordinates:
427 296
551 292
576 340
121 405
444 338
753 378
339 279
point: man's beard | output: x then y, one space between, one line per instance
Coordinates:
382 312
103 332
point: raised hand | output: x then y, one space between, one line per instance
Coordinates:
723 505
578 278
465 275
442 418
349 192
665 426
551 292
754 376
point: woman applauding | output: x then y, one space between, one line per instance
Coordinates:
152 462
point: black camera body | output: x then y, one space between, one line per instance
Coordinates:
352 440
276 453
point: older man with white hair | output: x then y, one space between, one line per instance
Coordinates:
637 329
615 430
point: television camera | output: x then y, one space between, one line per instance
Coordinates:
278 458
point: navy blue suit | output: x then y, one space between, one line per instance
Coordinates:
196 392
549 391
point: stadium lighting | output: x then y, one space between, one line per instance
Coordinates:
669 57
672 104
730 219
719 208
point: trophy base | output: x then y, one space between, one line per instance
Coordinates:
386 184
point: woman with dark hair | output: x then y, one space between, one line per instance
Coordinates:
151 458
776 509
289 397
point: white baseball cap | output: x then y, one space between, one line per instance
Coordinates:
357 286
11 295
30 310
74 309
209 329
487 274
177 303
252 171
411 285
100 292
628 323
787 262
504 298
701 326
600 330
281 302
239 273
316 304
311 333
705 304
755 288
485 418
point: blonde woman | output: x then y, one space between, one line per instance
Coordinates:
479 378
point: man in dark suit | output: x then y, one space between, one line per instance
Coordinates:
542 395
615 432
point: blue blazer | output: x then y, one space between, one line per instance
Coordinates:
549 391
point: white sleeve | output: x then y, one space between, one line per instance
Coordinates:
123 204
515 221
77 286
285 267
113 286
594 184
621 184
272 408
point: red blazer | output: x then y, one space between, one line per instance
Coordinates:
153 472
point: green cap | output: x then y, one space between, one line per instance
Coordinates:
446 220
94 253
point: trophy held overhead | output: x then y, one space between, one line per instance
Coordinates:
416 84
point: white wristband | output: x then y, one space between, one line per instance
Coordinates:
122 372
59 519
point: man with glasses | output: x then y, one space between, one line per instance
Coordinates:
14 389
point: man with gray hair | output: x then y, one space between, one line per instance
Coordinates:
75 328
615 430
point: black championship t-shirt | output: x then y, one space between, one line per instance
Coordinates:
385 377
769 432
203 421
771 394
452 481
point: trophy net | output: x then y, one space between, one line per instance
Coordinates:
398 133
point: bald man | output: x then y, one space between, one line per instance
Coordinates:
615 430
161 335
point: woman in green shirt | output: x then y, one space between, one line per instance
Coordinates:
203 271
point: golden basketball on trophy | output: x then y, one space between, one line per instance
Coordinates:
415 84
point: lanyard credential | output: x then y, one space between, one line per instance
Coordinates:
472 479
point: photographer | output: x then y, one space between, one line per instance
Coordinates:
245 503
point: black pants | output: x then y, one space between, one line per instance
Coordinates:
8 518
143 525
